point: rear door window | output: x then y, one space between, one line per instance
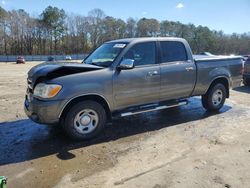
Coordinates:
173 51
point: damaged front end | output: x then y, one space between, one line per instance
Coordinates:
48 71
38 106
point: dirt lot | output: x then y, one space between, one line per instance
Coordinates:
181 147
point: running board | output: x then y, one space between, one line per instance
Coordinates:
154 109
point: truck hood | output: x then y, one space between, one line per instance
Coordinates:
49 71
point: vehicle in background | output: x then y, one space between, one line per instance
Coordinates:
68 57
246 72
127 77
51 58
206 53
20 60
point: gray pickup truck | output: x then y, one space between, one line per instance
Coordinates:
126 77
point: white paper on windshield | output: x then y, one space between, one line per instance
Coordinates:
119 45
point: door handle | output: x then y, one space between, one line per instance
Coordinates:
153 73
189 68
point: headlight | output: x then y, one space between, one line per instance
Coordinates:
46 90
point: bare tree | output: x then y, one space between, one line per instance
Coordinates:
55 32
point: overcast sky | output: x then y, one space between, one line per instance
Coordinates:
227 15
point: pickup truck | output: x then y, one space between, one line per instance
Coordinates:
126 77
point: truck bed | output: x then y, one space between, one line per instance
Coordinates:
216 66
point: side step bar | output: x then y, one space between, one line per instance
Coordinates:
154 109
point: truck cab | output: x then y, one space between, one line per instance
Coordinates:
161 70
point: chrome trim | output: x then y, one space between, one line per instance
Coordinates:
215 58
29 83
82 96
189 68
154 109
154 73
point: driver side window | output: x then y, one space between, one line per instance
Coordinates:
142 53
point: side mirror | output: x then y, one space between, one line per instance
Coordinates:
126 64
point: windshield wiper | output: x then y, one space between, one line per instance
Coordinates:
96 64
102 64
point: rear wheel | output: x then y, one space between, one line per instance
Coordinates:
215 97
84 120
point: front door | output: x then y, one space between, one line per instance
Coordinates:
141 84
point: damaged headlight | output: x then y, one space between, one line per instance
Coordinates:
43 90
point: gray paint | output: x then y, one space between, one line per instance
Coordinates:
126 88
209 70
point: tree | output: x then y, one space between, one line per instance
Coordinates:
112 28
54 32
131 28
148 27
3 26
53 20
95 18
76 39
203 39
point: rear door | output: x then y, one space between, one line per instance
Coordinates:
178 74
141 84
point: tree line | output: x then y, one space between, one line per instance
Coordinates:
56 32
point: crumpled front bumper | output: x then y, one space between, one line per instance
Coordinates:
43 112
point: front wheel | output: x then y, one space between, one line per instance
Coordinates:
84 120
215 97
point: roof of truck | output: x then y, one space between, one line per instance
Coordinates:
143 39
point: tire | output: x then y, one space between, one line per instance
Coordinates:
215 97
84 120
246 81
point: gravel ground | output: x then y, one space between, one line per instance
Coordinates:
180 147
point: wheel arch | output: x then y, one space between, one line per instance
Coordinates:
94 97
222 80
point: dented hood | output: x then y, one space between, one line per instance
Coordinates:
58 69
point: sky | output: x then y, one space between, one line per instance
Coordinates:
227 15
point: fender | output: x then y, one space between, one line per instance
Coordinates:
219 77
84 95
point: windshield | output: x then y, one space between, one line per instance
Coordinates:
105 55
